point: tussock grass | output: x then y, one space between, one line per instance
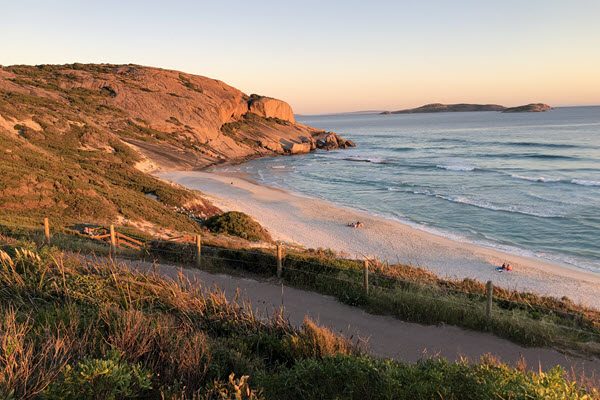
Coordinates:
71 324
416 295
406 292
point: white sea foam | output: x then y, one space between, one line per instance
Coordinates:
456 167
536 178
486 205
369 160
585 183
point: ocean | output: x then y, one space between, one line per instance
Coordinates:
525 183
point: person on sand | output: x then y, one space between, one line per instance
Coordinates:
356 224
504 267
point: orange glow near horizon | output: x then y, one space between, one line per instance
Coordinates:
325 57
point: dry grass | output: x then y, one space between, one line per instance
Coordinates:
65 313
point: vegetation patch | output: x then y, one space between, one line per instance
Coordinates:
238 224
185 81
72 328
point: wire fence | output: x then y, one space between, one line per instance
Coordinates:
352 277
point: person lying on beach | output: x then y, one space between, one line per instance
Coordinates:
356 224
504 267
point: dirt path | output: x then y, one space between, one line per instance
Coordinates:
387 336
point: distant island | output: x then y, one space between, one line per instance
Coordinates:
463 107
534 107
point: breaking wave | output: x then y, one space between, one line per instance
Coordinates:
456 167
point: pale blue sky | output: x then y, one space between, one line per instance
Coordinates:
329 56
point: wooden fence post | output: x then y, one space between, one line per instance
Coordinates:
279 261
366 276
113 240
198 250
489 289
47 230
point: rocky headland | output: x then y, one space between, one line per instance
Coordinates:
77 141
177 120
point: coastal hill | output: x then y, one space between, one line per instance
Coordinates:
195 120
462 107
76 140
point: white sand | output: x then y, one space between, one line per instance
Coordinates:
315 223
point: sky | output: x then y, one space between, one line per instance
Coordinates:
332 56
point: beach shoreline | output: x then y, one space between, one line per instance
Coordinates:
313 223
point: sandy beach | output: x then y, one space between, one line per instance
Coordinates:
314 223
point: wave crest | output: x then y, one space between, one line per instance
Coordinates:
585 183
456 167
536 178
485 205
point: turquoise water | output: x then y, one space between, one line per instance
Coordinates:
525 183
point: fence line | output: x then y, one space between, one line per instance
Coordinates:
152 247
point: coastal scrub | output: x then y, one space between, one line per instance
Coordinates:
70 323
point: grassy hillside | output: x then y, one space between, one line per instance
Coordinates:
52 175
72 330
62 159
76 139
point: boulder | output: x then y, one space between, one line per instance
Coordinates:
271 108
298 148
240 110
271 145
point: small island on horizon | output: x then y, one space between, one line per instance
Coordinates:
464 107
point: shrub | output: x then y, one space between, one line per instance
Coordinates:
238 224
101 379
237 389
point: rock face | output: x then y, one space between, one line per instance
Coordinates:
174 119
438 107
271 108
533 107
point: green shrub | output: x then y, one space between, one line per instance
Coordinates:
101 379
238 224
351 377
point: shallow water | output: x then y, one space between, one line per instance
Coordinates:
525 183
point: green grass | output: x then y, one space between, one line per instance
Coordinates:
409 293
72 330
46 174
